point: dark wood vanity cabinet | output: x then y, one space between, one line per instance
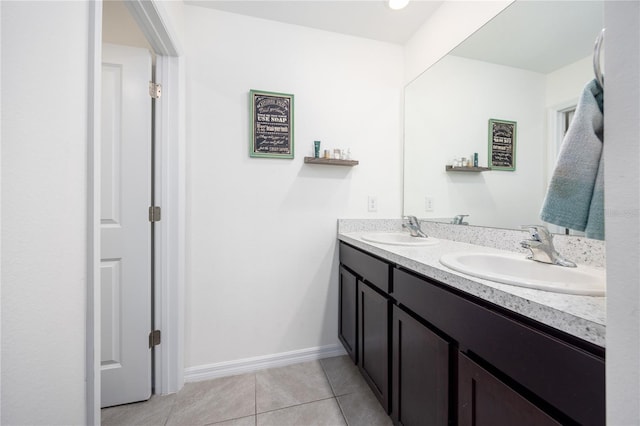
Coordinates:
371 317
559 373
445 357
347 320
373 341
420 373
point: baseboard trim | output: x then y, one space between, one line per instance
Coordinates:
250 365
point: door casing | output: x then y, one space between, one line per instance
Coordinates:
169 193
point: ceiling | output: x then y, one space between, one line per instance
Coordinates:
371 19
540 36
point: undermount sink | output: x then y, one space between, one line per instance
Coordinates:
398 239
516 269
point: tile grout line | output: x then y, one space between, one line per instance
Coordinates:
324 374
335 396
333 391
336 393
255 415
298 405
173 405
342 412
227 420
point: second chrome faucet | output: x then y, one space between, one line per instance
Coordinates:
413 225
541 245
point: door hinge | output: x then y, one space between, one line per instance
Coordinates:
155 90
154 338
154 214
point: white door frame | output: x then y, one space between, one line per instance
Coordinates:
555 134
169 249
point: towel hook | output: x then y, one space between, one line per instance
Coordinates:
596 58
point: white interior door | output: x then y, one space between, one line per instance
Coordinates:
125 227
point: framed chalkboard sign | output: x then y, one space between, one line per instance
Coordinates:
271 120
502 144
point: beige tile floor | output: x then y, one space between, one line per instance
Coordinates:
326 392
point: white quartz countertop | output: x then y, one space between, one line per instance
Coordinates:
580 316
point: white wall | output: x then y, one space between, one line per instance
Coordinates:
566 84
622 210
44 132
262 256
446 116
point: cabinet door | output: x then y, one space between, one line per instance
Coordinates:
373 341
420 373
347 319
483 400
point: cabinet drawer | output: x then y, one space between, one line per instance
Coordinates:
374 271
567 377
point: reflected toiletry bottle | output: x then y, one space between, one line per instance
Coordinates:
475 159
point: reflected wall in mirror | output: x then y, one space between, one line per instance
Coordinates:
528 65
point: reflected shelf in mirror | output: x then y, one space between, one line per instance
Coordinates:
467 169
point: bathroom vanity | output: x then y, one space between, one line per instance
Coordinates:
440 348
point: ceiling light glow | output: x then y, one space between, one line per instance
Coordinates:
398 4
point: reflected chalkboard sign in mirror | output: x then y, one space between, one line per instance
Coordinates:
502 145
271 124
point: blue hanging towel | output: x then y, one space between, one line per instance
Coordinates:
575 198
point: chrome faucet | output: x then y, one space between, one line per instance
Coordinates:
541 246
459 219
413 225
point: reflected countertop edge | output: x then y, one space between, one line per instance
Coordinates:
580 316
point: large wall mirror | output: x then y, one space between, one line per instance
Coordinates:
528 65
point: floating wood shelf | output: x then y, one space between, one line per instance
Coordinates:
330 161
467 169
